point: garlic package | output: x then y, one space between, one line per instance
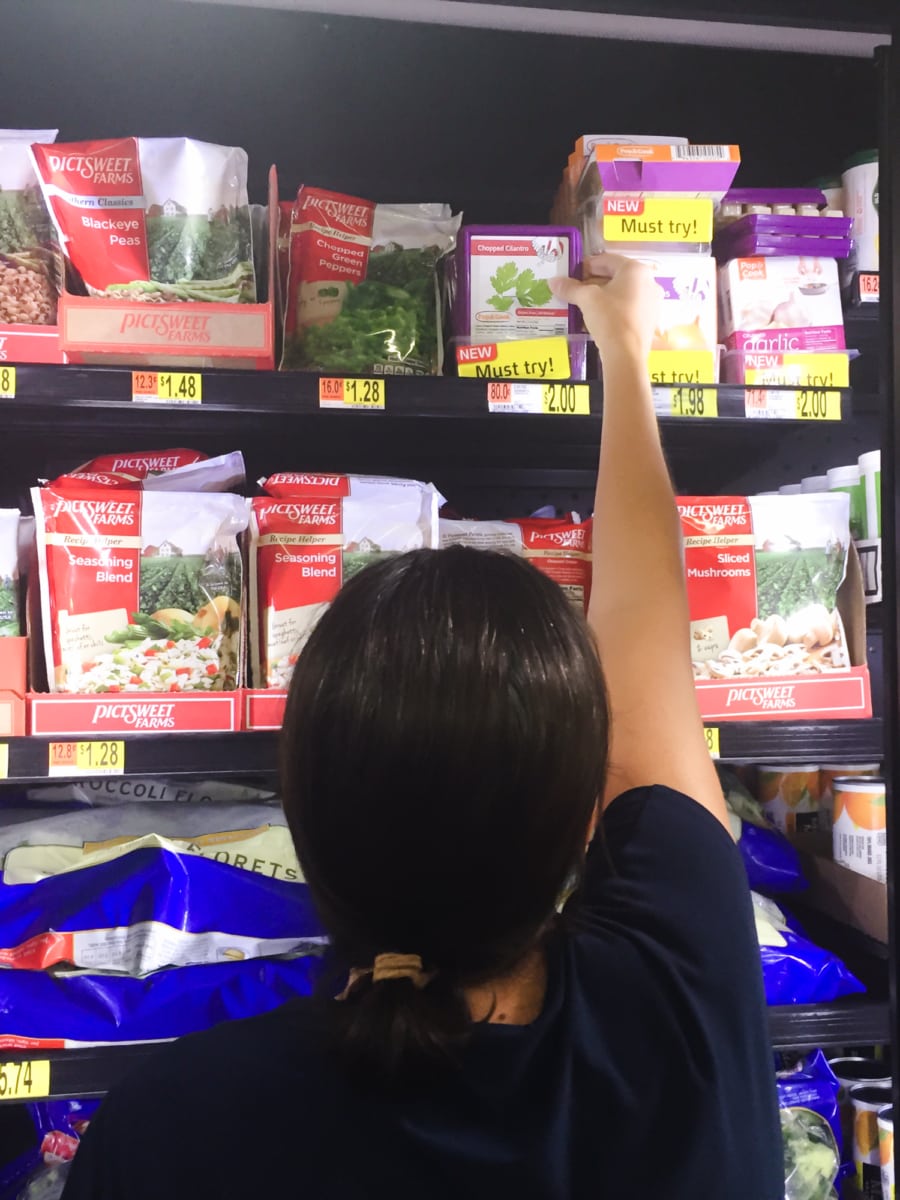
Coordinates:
781 304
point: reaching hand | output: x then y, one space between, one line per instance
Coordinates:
619 300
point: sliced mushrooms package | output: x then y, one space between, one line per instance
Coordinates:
763 574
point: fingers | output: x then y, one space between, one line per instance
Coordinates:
605 266
570 291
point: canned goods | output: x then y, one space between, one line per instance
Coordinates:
849 1072
860 826
790 797
860 182
868 1100
886 1152
827 776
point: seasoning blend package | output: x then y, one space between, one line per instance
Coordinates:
309 535
140 591
363 291
158 219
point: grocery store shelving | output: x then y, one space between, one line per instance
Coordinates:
93 1071
247 754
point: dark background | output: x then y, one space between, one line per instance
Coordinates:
400 112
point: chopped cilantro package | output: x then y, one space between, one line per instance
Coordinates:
363 291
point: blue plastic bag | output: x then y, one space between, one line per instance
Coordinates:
795 970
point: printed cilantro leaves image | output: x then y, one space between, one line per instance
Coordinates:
532 292
504 278
501 303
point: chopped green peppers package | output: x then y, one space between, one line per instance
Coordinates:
153 219
363 294
140 591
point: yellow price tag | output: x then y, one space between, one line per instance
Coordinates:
572 398
26 1080
87 758
4 760
813 404
694 401
352 393
7 382
167 387
657 219
711 733
532 360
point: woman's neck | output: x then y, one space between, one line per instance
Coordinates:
514 999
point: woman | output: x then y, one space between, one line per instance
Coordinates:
450 745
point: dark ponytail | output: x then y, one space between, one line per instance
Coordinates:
443 749
392 1029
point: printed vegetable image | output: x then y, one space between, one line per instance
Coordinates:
10 618
525 288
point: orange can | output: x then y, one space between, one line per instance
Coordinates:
827 776
790 797
860 826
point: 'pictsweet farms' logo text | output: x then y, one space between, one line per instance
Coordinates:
136 715
99 168
305 514
107 512
174 327
771 699
711 518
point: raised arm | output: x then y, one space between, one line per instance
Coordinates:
639 609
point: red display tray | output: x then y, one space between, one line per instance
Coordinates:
127 713
845 695
264 708
30 344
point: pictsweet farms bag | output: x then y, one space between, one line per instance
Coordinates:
308 536
763 574
363 290
559 547
30 259
155 219
140 591
197 474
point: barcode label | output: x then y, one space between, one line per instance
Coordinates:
719 153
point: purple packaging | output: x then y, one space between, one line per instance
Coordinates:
684 170
766 245
498 282
787 226
775 196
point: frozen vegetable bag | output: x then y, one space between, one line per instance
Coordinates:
763 574
156 219
30 262
363 285
140 591
309 535
558 547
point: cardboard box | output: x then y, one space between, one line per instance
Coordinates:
13 683
109 332
127 713
263 708
30 344
842 894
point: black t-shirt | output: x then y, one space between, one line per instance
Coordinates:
648 1073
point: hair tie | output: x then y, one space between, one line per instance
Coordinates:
401 966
